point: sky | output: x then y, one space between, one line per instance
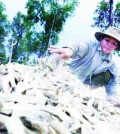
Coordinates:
75 29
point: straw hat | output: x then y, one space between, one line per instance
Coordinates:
113 32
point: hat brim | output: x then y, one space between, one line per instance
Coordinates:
100 35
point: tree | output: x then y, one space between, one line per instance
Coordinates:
103 14
106 15
51 15
41 26
26 37
17 33
4 28
111 13
117 15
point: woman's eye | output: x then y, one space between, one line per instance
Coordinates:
107 40
115 44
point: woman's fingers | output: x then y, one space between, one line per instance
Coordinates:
64 53
55 50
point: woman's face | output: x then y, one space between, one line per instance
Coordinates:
108 44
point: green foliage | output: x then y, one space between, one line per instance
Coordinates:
117 15
106 16
51 15
34 31
101 18
4 28
17 32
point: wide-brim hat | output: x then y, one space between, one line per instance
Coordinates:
113 32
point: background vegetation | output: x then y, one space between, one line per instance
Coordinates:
34 32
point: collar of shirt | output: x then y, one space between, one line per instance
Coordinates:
105 57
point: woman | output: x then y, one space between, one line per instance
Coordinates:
92 61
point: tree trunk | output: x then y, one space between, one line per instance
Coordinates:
111 13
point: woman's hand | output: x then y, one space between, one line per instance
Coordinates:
64 53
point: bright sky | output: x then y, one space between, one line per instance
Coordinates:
76 28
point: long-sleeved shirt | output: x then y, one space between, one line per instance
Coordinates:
87 59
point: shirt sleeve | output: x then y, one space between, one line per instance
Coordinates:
111 87
79 49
